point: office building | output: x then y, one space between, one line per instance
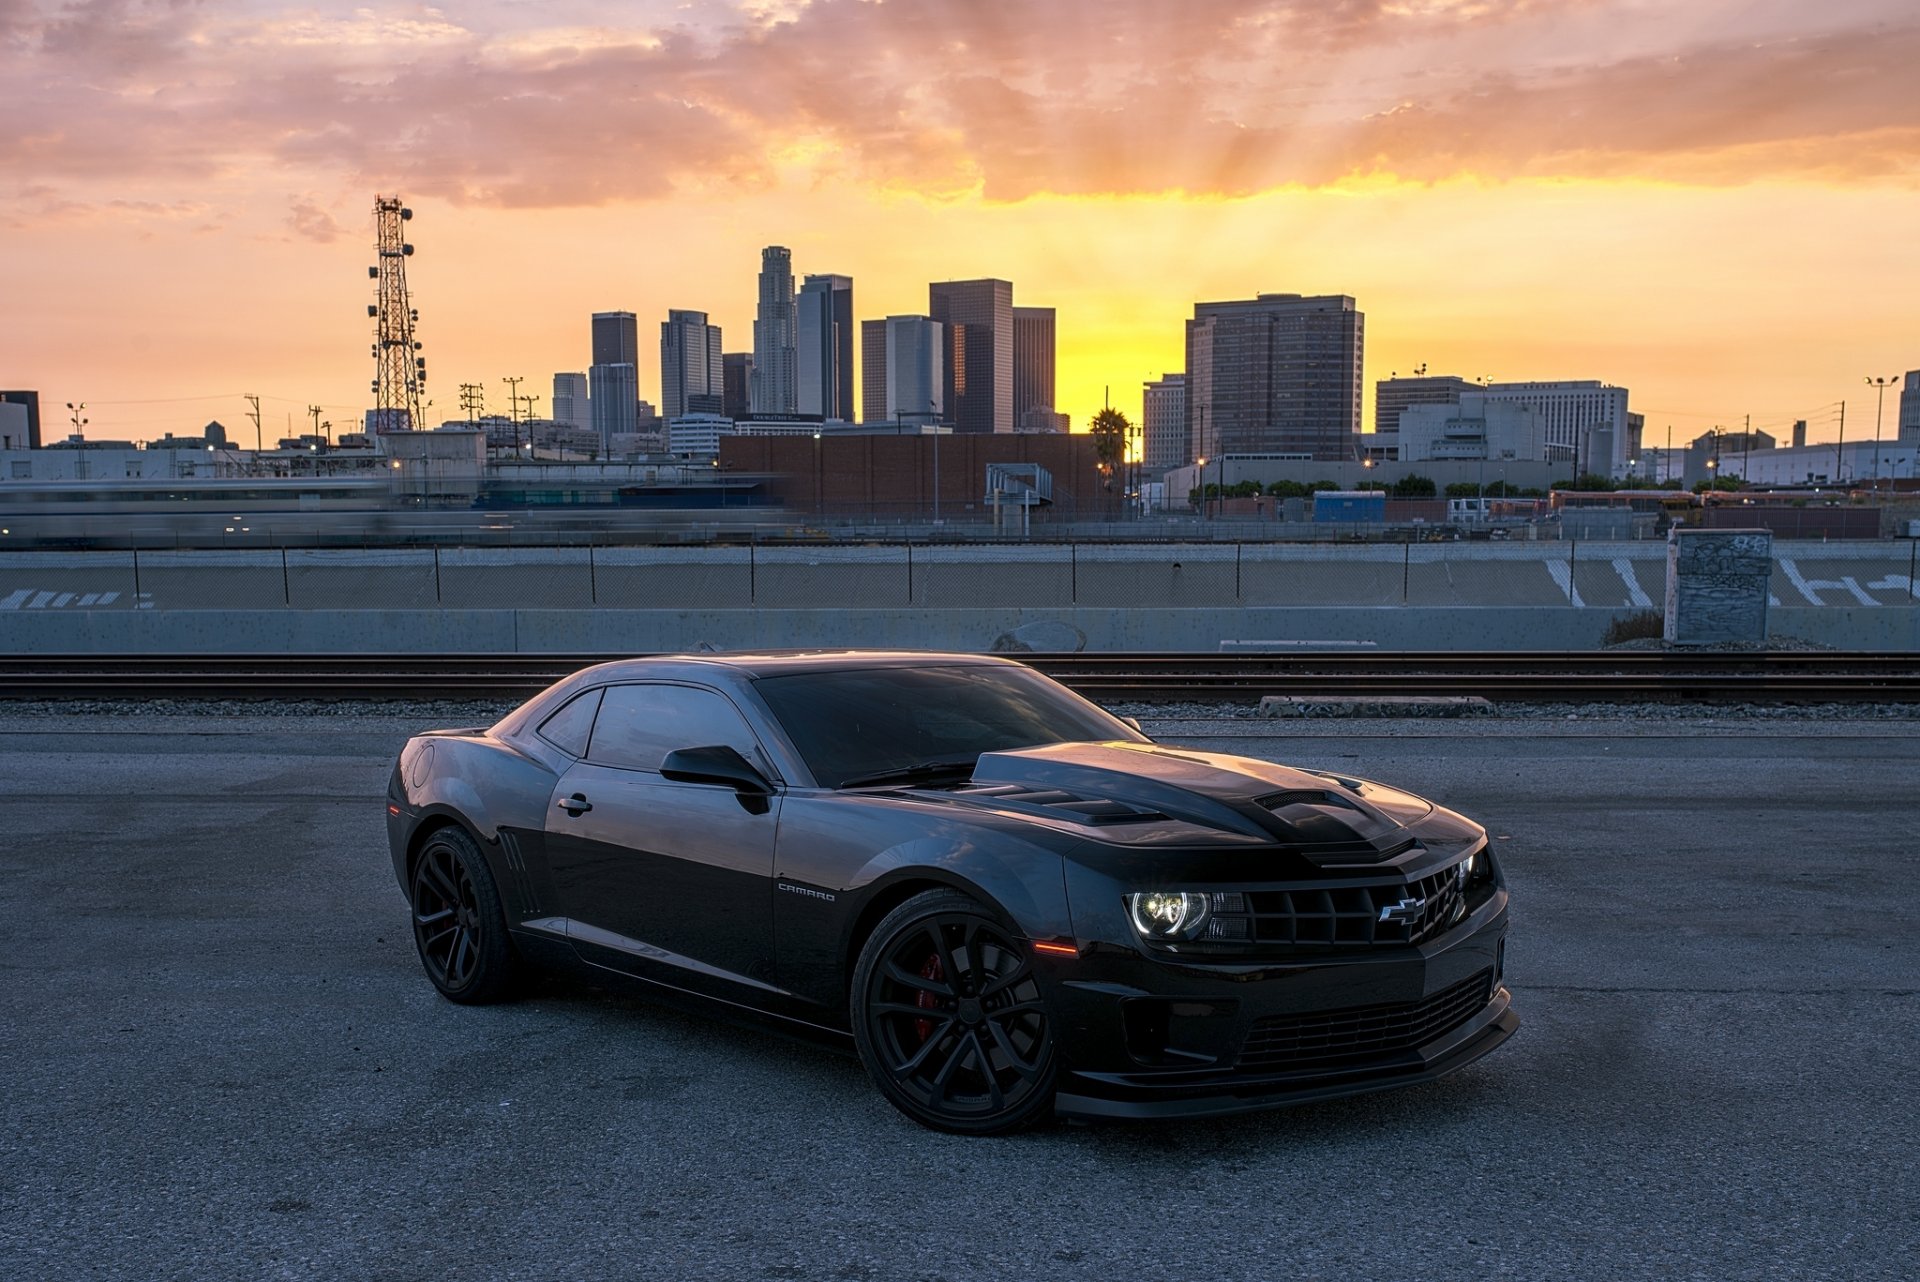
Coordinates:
616 338
1393 395
572 400
1033 362
977 317
773 335
29 423
1277 374
1474 428
613 395
823 351
1584 423
736 384
916 370
693 377
873 371
1163 424
1909 407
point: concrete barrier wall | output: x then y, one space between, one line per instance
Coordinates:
648 631
1025 576
1122 596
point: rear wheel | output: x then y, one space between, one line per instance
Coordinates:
950 1020
458 924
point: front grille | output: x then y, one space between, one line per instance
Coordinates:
1345 915
1361 1034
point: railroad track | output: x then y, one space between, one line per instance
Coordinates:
1614 676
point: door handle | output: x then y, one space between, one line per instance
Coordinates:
576 805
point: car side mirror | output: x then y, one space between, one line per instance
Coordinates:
1132 724
717 764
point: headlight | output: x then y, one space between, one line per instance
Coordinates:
1167 914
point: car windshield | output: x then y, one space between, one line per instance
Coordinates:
901 724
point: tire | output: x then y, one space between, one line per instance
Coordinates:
459 927
950 1020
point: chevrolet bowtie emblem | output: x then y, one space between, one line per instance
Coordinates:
1405 910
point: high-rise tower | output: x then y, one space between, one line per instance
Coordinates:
693 378
978 374
823 372
1033 363
1276 374
399 371
773 335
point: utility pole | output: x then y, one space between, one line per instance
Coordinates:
258 443
513 407
528 400
1879 386
473 399
314 412
1840 450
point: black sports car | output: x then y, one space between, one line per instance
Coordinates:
1012 901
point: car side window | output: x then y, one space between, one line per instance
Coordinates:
568 728
639 725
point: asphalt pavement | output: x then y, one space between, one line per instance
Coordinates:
220 1060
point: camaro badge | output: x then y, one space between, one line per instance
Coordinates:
1405 910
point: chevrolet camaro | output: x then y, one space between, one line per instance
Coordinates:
1013 903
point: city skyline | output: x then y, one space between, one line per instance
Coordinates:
1485 180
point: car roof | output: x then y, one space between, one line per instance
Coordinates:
776 663
731 668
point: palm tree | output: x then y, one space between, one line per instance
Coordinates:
1109 431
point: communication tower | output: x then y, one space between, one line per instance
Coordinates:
399 371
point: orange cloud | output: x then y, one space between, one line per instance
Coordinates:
1013 98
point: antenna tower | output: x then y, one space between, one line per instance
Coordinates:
399 371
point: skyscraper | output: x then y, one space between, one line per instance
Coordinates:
692 368
1910 408
1163 424
978 379
616 338
736 398
873 371
823 329
571 402
773 335
916 375
614 401
613 380
1032 362
1276 374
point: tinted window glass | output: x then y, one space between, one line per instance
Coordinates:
567 729
850 724
639 725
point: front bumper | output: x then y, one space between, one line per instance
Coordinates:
1147 1036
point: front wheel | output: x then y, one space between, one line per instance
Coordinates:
950 1020
458 924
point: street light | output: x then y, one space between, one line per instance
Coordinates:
1879 386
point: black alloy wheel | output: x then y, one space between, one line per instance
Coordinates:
950 1020
458 925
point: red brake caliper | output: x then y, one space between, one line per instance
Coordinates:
929 969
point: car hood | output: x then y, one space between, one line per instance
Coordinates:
1126 788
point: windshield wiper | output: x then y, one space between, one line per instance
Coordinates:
962 767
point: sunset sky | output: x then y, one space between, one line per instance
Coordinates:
1715 203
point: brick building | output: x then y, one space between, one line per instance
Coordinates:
891 478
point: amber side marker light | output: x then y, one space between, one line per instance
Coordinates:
393 810
1063 950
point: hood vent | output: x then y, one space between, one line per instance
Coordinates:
1113 783
1095 812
